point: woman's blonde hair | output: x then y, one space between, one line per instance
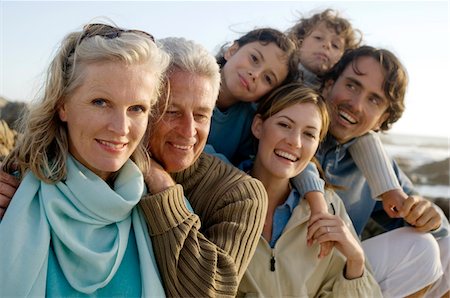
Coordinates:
43 146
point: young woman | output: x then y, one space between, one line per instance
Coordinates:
73 227
289 125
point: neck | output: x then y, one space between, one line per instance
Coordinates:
278 189
309 78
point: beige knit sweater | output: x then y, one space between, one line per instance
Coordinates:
205 254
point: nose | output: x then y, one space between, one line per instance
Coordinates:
294 139
187 127
254 74
119 123
326 44
356 102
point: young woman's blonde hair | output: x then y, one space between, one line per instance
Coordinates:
43 146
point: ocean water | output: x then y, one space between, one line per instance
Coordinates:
415 151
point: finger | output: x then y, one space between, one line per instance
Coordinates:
325 248
428 222
319 216
424 217
319 232
408 204
2 212
9 179
416 212
392 211
319 227
4 201
7 190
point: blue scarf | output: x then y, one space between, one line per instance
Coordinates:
88 224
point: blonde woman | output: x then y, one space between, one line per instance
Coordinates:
73 226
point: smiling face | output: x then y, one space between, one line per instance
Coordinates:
178 139
321 49
288 140
357 101
251 71
107 114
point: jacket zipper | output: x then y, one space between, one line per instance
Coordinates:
272 262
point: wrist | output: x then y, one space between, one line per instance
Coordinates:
354 268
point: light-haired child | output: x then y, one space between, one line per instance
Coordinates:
322 39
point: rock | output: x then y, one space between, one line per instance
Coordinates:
432 173
11 113
8 138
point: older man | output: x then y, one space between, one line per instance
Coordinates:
204 252
202 245
365 92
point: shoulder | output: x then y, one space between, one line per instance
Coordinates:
221 172
335 203
224 179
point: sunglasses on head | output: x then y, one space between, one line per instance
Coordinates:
105 31
108 32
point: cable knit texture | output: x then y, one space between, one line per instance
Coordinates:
205 254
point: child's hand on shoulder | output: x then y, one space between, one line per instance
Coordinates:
393 201
318 205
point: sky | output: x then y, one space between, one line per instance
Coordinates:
416 31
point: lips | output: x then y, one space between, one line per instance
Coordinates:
112 145
286 155
244 82
322 56
182 147
347 117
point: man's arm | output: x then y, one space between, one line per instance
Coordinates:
205 254
372 160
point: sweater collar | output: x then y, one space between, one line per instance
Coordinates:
191 175
309 78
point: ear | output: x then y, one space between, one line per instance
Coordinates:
62 112
383 118
231 51
257 126
326 91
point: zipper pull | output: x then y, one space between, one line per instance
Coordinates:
272 263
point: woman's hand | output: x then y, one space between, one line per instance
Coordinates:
327 227
157 179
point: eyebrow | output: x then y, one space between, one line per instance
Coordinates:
291 120
260 54
262 58
181 107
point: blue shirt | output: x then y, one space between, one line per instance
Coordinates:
230 132
282 215
125 283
